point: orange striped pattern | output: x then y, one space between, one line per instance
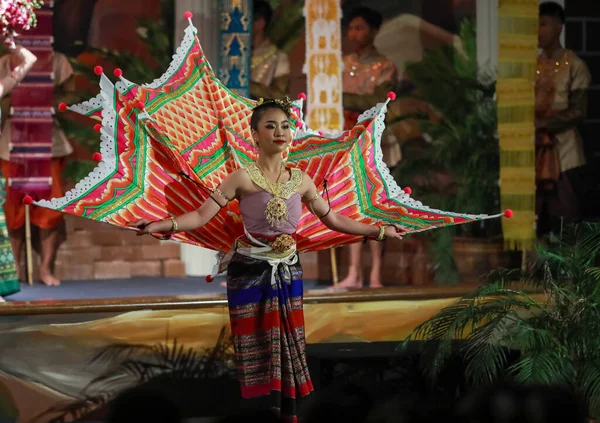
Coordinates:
193 132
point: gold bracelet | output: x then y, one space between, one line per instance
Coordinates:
381 235
174 227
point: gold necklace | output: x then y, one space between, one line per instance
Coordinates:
276 212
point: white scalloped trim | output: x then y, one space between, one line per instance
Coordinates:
105 100
107 148
87 106
124 84
189 38
395 192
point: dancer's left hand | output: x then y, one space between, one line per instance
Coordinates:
394 231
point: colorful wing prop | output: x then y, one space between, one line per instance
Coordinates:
165 145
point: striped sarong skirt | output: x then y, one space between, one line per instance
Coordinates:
267 324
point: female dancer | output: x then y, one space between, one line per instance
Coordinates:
264 278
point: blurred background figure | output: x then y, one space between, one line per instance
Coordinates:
561 102
367 78
270 67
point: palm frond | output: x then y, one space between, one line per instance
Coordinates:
129 365
485 353
558 338
589 385
550 366
113 352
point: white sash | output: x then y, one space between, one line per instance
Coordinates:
258 253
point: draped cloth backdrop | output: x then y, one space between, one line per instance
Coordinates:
32 115
517 50
235 45
323 67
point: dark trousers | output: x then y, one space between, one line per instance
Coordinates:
561 204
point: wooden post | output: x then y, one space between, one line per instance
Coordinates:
334 270
28 248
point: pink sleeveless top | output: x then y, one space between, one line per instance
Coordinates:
253 214
253 206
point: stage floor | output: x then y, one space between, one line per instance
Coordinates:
56 341
127 288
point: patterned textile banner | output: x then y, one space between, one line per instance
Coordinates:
323 67
517 38
235 45
31 118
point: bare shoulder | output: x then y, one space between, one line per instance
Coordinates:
307 183
239 176
242 180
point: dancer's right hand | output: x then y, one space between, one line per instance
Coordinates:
146 226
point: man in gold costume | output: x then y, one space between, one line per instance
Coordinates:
561 99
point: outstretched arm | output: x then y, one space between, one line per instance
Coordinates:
336 222
197 218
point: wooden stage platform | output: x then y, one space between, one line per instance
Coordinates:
47 347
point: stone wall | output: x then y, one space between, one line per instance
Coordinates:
98 251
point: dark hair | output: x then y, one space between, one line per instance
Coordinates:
259 110
552 9
371 17
262 9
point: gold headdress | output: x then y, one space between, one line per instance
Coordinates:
284 103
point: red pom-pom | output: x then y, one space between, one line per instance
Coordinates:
299 125
188 15
62 107
302 96
320 133
391 95
209 278
140 105
27 200
408 190
97 127
508 213
98 70
117 72
97 157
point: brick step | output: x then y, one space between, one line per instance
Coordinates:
405 262
95 250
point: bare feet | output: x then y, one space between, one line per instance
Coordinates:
375 279
352 281
48 278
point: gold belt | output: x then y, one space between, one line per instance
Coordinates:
281 246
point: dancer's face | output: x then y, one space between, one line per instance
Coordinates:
273 133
